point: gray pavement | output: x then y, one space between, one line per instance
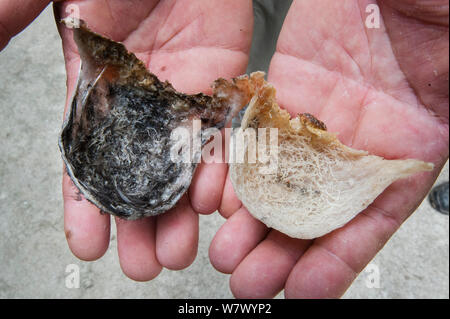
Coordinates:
33 250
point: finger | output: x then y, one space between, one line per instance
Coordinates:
235 240
263 273
137 248
206 189
87 230
16 15
229 203
332 263
177 236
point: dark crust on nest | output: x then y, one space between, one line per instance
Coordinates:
309 119
107 52
116 141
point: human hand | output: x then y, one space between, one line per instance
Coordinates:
190 44
383 90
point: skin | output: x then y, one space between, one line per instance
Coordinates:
367 85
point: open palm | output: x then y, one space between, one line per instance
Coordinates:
190 44
382 90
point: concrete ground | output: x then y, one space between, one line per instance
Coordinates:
33 250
